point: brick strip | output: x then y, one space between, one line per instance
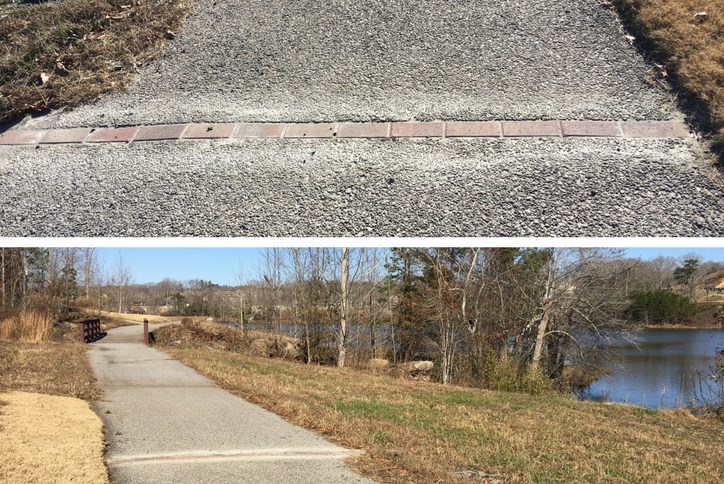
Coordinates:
21 137
434 129
653 129
63 136
111 135
531 128
160 132
209 131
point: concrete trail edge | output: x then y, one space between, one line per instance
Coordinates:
333 131
256 455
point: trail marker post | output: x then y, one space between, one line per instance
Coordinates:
145 331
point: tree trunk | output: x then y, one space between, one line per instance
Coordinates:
540 337
241 311
344 308
545 317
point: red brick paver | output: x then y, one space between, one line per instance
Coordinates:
472 129
310 130
71 135
160 132
208 131
259 130
591 128
363 130
654 129
20 137
417 130
413 129
111 135
531 128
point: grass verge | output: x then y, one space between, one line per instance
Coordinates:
689 46
63 53
48 428
422 432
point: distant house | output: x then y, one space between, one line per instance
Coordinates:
138 310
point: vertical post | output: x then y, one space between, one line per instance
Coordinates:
81 330
145 331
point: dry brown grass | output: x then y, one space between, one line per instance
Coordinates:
692 50
49 439
52 368
63 53
420 432
27 326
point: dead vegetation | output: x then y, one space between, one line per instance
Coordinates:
42 356
26 327
686 40
423 432
63 53
52 368
194 334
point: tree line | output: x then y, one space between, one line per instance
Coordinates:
462 308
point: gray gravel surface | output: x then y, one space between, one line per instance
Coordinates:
156 410
308 60
491 187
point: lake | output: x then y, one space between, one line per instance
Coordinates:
660 369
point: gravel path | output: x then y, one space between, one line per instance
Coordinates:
340 60
373 60
484 187
166 423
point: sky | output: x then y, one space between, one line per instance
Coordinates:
221 265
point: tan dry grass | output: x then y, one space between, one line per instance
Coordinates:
138 318
27 327
693 50
51 368
49 439
63 53
420 432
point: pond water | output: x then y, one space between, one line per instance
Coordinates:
660 368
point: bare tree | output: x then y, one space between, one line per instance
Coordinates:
88 268
121 279
571 290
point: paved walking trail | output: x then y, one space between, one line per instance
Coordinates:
371 61
168 424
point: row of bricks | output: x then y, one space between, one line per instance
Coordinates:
631 129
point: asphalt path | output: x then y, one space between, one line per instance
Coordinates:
306 60
165 423
492 187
